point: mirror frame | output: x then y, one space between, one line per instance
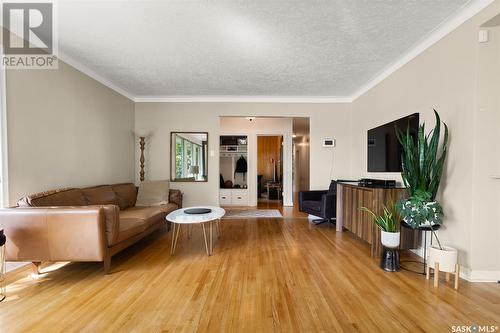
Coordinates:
172 170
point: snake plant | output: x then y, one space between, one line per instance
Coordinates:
422 159
387 221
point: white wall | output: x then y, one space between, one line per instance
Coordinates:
444 77
486 161
260 126
326 120
65 129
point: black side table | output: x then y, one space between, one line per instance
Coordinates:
424 229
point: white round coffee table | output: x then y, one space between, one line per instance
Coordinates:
179 217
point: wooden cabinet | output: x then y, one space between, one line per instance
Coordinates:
351 197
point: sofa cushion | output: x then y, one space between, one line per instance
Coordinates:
126 194
129 227
150 215
100 195
152 193
60 197
311 205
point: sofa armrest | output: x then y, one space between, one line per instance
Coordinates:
55 233
175 196
111 222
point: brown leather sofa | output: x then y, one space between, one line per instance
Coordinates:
80 224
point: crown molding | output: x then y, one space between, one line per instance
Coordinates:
467 11
243 99
92 74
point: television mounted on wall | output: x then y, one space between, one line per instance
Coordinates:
384 149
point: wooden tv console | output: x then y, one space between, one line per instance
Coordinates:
350 197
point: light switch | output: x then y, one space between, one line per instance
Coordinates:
483 36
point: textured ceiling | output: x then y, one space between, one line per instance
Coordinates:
244 48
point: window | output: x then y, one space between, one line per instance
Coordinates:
179 161
187 154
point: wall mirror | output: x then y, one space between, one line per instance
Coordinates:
189 156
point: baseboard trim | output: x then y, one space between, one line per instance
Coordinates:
480 276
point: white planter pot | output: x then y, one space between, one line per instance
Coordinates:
447 258
389 239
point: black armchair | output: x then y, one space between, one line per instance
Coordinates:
320 203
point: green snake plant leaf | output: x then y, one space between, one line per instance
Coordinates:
422 159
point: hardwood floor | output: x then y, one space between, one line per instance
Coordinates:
266 275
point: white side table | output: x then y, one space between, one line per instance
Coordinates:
179 217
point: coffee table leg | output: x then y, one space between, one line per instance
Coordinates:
176 237
205 237
211 224
174 226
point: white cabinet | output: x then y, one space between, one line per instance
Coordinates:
233 197
232 149
239 197
225 197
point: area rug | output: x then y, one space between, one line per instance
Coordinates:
251 213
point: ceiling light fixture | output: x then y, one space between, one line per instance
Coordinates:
294 136
250 118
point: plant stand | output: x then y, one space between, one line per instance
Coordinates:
424 229
389 260
436 274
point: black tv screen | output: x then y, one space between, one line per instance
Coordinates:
384 150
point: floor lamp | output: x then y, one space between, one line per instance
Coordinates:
142 144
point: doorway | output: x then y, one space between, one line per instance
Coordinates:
270 168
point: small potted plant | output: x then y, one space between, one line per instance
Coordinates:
420 210
389 236
388 224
